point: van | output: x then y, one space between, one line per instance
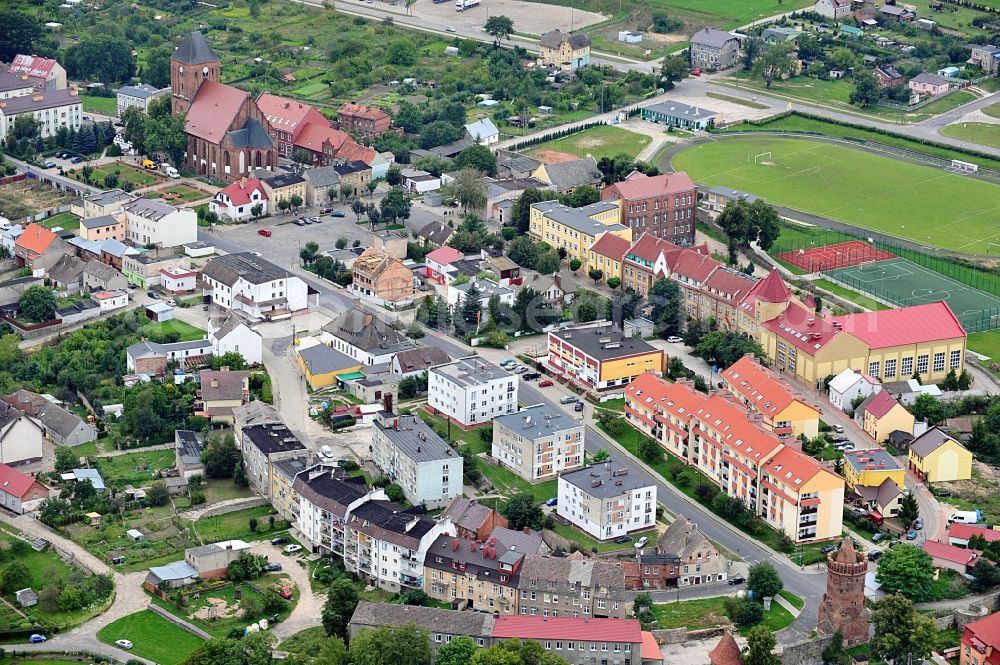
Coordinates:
148 164
839 429
966 517
327 451
568 399
171 171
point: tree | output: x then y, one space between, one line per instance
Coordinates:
745 222
401 52
478 156
600 456
37 304
760 647
835 653
614 282
723 348
66 459
471 307
341 601
909 509
595 274
309 252
219 455
986 576
776 63
907 570
438 133
391 645
520 213
101 56
547 262
927 408
164 132
650 451
763 580
253 649
16 576
435 165
296 201
234 360
256 209
667 307
901 634
499 27
394 176
674 68
743 611
842 58
866 90
395 493
394 205
158 494
346 189
523 511
457 652
19 30
469 189
524 252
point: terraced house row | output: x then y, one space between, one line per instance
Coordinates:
726 441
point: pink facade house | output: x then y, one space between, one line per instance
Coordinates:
438 264
929 84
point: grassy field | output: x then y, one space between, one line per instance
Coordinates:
236 525
102 105
138 468
67 220
187 331
909 201
709 613
993 110
600 141
721 13
977 132
587 543
801 123
152 636
126 173
986 343
848 294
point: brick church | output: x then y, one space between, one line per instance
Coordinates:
227 133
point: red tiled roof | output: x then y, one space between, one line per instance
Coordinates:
31 65
360 111
650 248
568 628
313 136
730 283
14 482
611 246
773 288
287 114
735 430
351 151
952 553
658 185
790 461
987 632
650 649
881 404
213 110
793 326
966 531
35 239
752 381
726 652
694 266
906 325
444 255
239 192
677 398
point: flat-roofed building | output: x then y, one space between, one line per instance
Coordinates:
471 391
601 358
538 443
606 501
412 455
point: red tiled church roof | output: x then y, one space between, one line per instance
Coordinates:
213 110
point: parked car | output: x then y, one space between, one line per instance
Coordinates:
874 555
695 72
299 222
272 568
877 537
264 232
828 548
325 211
911 535
339 213
124 644
521 369
567 399
839 429
531 376
306 220
918 524
153 294
449 29
578 407
738 579
77 160
36 638
551 502
674 339
623 539
544 383
49 165
293 548
641 542
171 302
285 592
280 540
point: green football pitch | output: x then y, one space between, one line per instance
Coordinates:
903 282
905 200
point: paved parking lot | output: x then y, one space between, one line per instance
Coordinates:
529 17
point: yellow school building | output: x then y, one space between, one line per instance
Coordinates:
575 229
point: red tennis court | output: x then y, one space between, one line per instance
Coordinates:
831 257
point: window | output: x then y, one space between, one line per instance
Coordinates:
939 362
890 368
922 364
873 368
956 359
906 368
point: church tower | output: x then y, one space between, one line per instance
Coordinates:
193 62
843 607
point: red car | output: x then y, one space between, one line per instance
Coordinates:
264 232
544 383
695 72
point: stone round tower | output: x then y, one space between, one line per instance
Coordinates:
843 607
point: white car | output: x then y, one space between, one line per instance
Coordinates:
449 29
639 544
292 549
674 339
124 644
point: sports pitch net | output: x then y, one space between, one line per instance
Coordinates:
903 283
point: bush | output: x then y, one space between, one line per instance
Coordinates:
743 611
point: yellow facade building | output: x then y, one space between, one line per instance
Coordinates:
601 358
763 392
322 365
575 229
561 50
937 457
870 468
880 415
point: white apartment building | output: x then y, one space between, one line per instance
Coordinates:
538 443
138 95
414 457
52 109
246 283
153 222
606 500
472 391
231 333
323 497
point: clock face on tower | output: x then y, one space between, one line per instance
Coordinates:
204 70
180 70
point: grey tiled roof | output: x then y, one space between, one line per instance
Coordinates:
554 38
323 176
194 50
367 332
252 135
711 37
432 619
573 173
229 268
321 359
930 441
680 538
535 422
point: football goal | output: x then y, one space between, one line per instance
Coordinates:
963 167
762 157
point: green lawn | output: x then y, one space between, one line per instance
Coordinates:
721 13
852 296
906 200
977 132
178 194
709 613
587 543
236 525
993 110
221 489
126 173
600 141
138 468
102 105
986 343
152 636
187 331
67 220
794 600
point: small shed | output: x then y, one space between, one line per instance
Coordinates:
26 597
94 519
488 103
135 535
544 110
638 327
159 312
629 37
451 50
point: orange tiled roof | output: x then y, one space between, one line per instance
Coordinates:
752 381
35 239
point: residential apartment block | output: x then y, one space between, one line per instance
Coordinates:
662 206
263 445
537 442
787 489
471 391
323 496
714 49
413 456
563 51
482 575
764 392
563 587
575 230
601 358
246 283
606 501
138 96
153 222
51 109
364 121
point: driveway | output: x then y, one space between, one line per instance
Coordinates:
307 612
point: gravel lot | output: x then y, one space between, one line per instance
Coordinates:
529 17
